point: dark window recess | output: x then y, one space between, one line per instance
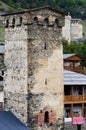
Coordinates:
7 23
46 21
13 23
36 20
45 46
46 118
56 24
2 72
20 20
45 81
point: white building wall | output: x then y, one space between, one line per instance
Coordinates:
73 29
76 29
77 109
1 96
66 29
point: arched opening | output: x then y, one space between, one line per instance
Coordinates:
56 22
46 119
13 23
7 23
35 20
46 21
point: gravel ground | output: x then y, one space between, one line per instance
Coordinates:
69 126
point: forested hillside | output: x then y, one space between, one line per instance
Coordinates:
77 8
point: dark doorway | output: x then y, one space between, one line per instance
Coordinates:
46 117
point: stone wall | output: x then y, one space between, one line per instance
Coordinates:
73 29
16 71
66 33
34 66
76 29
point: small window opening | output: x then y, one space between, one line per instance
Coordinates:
20 20
7 23
45 46
46 120
56 22
13 23
45 81
46 21
2 72
36 20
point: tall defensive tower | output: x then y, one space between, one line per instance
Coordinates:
34 66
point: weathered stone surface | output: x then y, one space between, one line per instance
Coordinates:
34 66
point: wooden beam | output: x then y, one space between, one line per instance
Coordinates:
71 110
83 109
83 92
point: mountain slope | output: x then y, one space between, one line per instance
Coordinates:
5 7
77 8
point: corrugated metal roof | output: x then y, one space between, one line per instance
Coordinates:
2 49
9 122
73 78
68 55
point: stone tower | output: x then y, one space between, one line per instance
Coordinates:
34 67
76 29
73 28
66 33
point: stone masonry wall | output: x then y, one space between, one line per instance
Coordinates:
34 66
45 74
16 71
76 29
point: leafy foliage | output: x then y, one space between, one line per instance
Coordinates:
74 47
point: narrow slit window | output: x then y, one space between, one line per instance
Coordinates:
7 23
20 20
13 23
45 81
45 46
56 24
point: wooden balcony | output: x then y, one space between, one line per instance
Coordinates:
74 68
74 99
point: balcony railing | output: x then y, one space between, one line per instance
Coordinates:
74 98
74 68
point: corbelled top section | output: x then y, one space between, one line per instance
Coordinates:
40 16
